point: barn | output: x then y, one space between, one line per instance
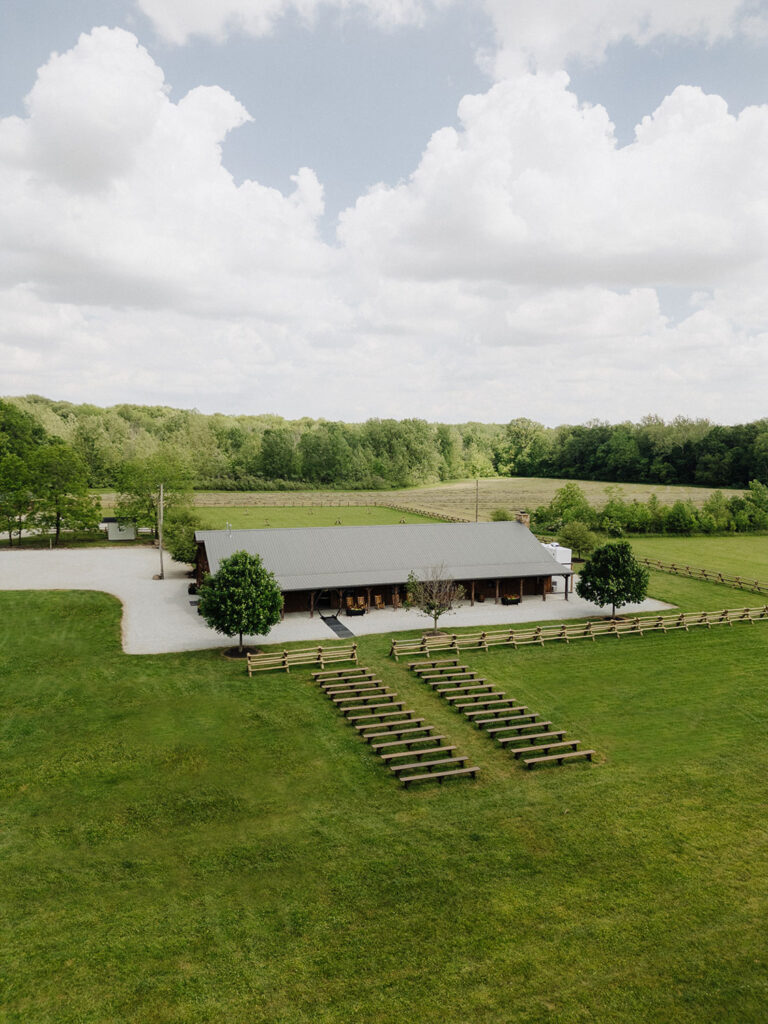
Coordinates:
368 566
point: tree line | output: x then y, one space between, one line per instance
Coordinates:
570 514
269 452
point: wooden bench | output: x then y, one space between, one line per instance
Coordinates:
338 687
514 713
341 674
480 707
341 691
394 755
545 747
399 731
408 779
547 734
448 685
381 714
533 724
394 705
463 691
414 666
447 674
461 759
378 693
471 700
405 720
405 742
533 761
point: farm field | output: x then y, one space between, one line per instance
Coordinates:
250 518
183 844
744 555
451 499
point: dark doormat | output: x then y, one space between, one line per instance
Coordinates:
338 627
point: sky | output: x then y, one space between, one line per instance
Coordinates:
451 209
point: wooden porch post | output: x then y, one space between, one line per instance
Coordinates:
497 592
368 592
472 598
566 584
341 599
544 589
312 604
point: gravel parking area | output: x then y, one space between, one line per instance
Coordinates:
159 616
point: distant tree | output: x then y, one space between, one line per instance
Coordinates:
179 529
522 448
501 515
570 504
716 507
434 594
15 494
680 518
242 597
140 479
20 433
613 576
60 483
578 537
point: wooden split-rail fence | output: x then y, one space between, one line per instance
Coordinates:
578 631
708 575
286 660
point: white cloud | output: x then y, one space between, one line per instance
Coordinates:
533 190
177 20
546 34
515 272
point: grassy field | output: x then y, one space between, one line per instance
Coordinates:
743 555
182 844
452 499
245 518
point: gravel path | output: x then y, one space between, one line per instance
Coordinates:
158 616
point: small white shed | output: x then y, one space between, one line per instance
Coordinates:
117 530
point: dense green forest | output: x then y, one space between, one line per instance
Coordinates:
268 452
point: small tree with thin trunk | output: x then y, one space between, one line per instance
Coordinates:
242 597
577 536
433 594
613 576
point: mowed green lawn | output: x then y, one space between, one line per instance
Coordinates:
742 555
183 844
254 518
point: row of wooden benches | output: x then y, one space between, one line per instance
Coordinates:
502 717
403 742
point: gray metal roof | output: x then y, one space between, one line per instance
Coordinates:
317 557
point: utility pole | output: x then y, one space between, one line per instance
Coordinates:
160 531
477 499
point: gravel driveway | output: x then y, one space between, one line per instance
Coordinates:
158 616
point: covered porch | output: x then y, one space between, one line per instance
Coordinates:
354 602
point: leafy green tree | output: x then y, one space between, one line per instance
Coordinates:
501 515
681 518
522 449
15 494
60 484
613 576
242 597
570 504
179 528
716 508
20 433
578 537
433 594
140 479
